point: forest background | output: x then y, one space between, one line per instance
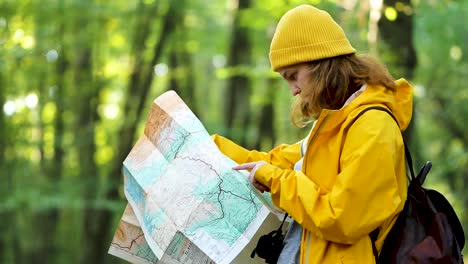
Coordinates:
77 78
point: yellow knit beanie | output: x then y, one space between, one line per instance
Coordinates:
304 34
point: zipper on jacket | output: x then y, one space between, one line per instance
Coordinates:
311 141
304 167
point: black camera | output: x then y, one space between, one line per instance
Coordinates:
269 246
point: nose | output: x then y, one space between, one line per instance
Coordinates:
294 90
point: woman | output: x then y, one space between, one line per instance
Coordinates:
351 178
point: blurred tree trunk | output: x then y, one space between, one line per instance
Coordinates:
237 111
42 99
4 128
52 170
266 132
181 78
10 246
189 83
138 88
87 92
59 99
5 187
399 35
174 82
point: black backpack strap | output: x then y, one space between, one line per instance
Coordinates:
374 234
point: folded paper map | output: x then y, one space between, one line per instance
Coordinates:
185 203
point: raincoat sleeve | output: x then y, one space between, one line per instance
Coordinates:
365 193
283 156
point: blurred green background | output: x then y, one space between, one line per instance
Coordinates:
77 78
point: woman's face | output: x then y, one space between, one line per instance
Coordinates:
297 76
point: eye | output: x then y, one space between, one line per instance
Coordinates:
292 77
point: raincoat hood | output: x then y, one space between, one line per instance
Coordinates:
399 101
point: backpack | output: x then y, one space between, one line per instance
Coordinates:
427 230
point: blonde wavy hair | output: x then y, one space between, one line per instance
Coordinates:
333 81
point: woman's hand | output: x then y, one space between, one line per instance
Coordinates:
252 167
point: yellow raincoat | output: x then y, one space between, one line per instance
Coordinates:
353 178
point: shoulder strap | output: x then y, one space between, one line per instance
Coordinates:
409 160
374 234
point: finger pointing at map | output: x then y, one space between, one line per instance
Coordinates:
252 167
